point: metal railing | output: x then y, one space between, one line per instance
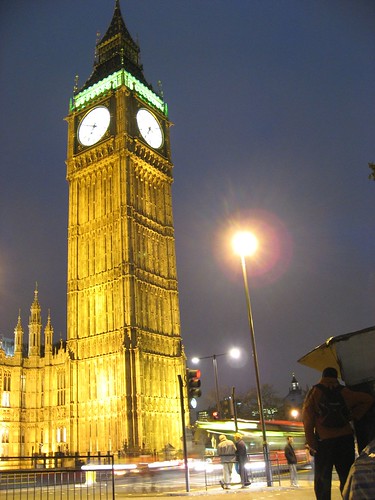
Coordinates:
40 477
97 476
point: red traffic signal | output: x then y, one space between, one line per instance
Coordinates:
193 383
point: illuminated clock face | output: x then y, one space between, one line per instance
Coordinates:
150 128
94 125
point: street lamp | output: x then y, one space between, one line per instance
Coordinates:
245 244
233 353
294 413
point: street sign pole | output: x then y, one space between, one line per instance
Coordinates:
234 409
187 478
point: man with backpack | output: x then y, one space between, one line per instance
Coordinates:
327 411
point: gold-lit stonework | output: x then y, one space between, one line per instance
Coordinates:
123 313
113 385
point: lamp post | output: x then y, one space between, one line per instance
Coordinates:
245 244
234 353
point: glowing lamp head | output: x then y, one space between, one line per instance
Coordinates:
294 413
235 353
244 243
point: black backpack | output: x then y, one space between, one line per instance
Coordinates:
333 411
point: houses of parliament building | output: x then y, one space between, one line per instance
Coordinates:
113 382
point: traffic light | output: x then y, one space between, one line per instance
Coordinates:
227 408
193 384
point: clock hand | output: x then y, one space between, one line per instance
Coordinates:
92 126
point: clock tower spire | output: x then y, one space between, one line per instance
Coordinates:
115 51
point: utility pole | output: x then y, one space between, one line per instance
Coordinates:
187 477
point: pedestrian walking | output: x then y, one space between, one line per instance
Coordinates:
227 453
241 457
327 411
291 458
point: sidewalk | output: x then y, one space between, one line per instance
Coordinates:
257 491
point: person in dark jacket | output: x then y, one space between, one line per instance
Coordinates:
291 458
331 446
241 457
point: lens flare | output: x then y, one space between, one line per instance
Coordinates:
271 254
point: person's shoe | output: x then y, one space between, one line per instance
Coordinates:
222 484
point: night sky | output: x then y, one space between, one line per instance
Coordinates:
273 110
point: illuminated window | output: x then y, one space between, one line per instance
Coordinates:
23 391
5 436
5 398
60 388
6 386
61 434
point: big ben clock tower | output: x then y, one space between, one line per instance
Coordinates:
123 332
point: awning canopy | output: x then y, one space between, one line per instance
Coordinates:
322 356
352 354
